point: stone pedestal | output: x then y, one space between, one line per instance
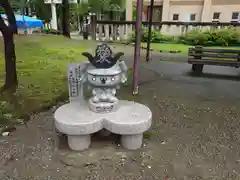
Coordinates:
132 141
78 143
78 122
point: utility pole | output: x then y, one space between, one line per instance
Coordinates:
149 29
137 50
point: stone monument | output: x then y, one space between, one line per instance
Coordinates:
103 110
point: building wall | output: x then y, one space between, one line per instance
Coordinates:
203 9
226 11
185 11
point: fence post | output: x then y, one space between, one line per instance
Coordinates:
107 33
114 32
121 32
100 32
93 26
111 32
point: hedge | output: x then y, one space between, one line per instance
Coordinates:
208 37
212 37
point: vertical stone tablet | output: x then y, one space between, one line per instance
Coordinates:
76 73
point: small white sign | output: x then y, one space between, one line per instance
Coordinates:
75 77
53 1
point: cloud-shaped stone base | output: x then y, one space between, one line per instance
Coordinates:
78 122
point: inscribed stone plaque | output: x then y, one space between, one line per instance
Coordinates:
75 75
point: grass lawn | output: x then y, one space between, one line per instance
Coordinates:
183 48
42 66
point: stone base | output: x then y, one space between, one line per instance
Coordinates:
103 107
79 143
132 141
79 122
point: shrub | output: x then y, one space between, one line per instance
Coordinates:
51 31
213 36
156 37
208 37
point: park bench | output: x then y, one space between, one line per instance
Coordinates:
199 56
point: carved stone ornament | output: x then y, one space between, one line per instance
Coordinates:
104 58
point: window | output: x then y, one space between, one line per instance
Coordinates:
216 15
192 17
157 13
235 15
175 17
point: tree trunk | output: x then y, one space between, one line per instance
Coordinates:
8 31
10 15
65 19
11 80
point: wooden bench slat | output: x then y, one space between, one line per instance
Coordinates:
213 62
220 56
233 51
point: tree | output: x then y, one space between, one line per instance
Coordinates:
102 8
65 18
32 7
8 31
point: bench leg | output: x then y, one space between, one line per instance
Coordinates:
132 141
79 142
197 68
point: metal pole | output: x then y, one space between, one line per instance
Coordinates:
137 50
149 29
78 20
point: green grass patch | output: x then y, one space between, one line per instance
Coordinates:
42 70
182 48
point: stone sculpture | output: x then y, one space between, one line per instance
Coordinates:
103 110
104 78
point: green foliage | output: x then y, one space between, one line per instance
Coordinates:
213 36
51 31
98 6
207 37
134 16
1 10
42 10
42 66
156 36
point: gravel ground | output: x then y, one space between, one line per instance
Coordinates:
195 135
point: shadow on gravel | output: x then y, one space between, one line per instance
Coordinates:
214 76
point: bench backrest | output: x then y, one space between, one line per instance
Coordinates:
198 52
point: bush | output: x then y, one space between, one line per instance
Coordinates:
208 37
156 37
213 36
51 31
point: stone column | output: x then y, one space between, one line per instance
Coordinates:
206 11
165 15
54 16
129 14
129 10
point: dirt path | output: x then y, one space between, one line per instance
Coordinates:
195 135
